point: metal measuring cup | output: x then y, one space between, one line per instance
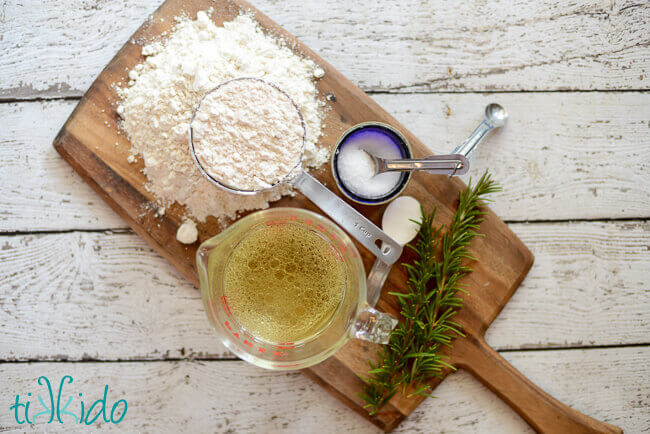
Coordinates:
357 225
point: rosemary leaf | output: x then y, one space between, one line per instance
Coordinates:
427 308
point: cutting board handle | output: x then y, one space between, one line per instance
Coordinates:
543 412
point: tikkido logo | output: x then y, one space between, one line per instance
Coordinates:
57 411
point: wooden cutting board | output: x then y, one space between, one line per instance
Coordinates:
91 143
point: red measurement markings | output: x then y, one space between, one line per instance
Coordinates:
336 241
278 221
224 302
251 345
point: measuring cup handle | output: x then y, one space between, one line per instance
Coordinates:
373 326
376 279
362 229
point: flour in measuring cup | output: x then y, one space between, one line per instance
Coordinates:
164 89
248 135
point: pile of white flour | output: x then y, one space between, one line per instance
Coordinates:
248 134
157 106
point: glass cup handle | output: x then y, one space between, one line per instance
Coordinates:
373 326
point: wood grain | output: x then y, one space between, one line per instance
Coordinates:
543 412
109 296
99 296
562 156
241 398
54 48
582 271
40 190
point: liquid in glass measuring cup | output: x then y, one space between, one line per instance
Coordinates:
352 318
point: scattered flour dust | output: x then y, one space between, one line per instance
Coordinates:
251 142
158 103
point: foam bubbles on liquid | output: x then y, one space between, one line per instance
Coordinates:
284 282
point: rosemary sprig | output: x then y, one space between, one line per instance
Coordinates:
413 353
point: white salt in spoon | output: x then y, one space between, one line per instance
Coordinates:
356 224
399 222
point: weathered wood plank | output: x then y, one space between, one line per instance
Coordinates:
53 48
581 289
98 296
562 156
76 296
610 384
40 191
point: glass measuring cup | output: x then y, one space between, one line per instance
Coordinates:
353 318
362 229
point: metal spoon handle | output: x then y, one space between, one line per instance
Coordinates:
474 139
436 164
362 229
495 117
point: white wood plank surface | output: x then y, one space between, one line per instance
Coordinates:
233 396
77 296
103 307
588 286
40 191
562 156
97 296
56 48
